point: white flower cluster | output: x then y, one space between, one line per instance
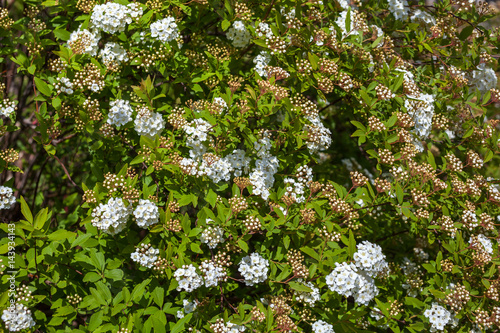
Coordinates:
187 278
296 188
264 30
212 235
218 169
422 114
111 217
254 269
485 242
438 316
197 132
149 124
17 317
321 134
399 8
219 101
89 38
145 258
165 30
212 273
341 23
262 176
7 107
238 34
120 112
113 17
320 326
63 84
424 17
307 297
7 198
188 308
483 78
113 52
261 61
347 280
370 259
146 213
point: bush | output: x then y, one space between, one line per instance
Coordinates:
279 166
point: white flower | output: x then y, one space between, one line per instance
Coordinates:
111 217
113 52
17 317
212 235
149 124
254 269
113 17
165 30
483 78
308 297
320 326
120 112
146 213
370 259
7 107
145 256
7 198
187 278
88 38
438 316
399 8
239 35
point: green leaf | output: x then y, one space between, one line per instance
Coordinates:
158 295
225 25
25 210
61 234
179 326
243 245
299 287
43 87
352 244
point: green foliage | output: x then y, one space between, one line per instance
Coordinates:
293 133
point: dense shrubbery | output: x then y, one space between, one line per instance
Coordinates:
281 166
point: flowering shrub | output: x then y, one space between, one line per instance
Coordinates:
282 166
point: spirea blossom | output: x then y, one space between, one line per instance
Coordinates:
319 137
64 85
261 61
320 326
149 124
238 34
254 269
7 198
212 273
111 217
7 107
113 17
485 243
89 39
399 8
423 16
212 235
145 257
421 113
308 297
438 316
483 78
187 278
113 52
146 213
370 259
165 30
120 112
221 103
262 176
347 280
17 317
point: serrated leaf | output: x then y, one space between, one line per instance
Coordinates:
299 287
